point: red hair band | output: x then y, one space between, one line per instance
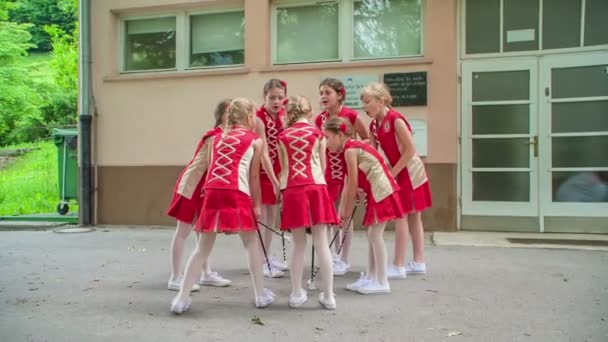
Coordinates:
343 92
342 128
284 84
285 101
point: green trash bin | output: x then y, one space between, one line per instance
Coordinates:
66 140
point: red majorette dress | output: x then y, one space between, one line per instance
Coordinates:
380 187
305 199
415 191
227 204
273 126
187 199
336 166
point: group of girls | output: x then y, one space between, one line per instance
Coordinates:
277 160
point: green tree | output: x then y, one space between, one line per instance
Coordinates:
19 99
61 101
41 13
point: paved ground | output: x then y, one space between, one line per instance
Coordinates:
111 283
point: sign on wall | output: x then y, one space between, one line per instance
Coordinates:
420 134
407 88
353 86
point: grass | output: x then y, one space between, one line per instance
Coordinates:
29 184
38 64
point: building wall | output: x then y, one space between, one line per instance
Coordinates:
147 125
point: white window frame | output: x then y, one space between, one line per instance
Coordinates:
345 31
122 33
538 52
182 39
189 38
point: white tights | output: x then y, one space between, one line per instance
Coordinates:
376 261
177 249
202 251
319 239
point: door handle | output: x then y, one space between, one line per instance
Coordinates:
534 142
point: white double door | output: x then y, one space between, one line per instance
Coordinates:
535 137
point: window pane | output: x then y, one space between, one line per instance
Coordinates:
501 85
579 151
583 81
150 44
217 39
388 28
506 152
483 26
586 186
561 23
503 119
596 25
307 33
501 186
520 25
568 117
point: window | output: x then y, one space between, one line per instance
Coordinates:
217 39
183 41
345 30
499 26
596 24
307 33
149 44
386 28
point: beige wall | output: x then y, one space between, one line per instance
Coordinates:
155 119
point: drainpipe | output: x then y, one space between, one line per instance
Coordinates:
84 115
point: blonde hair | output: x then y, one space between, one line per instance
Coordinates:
238 110
339 125
220 111
379 91
297 108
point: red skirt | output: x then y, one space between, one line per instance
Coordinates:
184 209
269 197
306 206
335 190
413 200
226 211
388 209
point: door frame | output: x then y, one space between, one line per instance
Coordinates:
498 208
547 206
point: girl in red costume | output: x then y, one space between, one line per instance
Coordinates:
333 94
306 202
270 123
186 204
366 169
232 201
391 131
